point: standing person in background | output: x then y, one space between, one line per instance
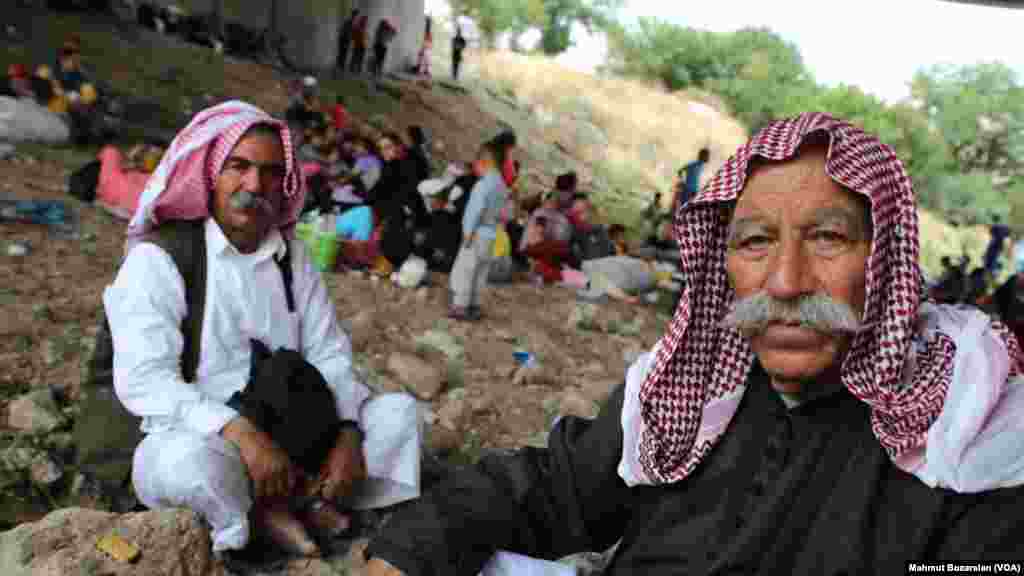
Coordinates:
458 47
566 186
1000 232
479 229
507 142
359 44
691 182
381 40
423 62
345 40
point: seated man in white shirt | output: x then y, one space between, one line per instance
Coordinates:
198 452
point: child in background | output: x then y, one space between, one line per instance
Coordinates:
479 229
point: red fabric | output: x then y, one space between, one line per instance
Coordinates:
119 189
356 253
311 169
547 258
17 71
340 116
578 224
700 362
508 171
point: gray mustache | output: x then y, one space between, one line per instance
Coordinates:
244 199
818 312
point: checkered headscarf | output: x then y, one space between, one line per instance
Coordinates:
179 188
699 369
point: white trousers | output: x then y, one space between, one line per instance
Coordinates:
181 469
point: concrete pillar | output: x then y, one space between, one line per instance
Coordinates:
409 17
311 27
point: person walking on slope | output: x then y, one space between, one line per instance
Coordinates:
458 47
690 183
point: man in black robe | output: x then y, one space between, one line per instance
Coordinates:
806 413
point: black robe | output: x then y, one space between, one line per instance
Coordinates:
803 491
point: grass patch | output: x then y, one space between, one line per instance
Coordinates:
455 374
64 155
23 343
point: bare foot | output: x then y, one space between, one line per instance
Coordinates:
285 530
326 520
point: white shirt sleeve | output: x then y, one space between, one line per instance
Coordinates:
324 344
145 306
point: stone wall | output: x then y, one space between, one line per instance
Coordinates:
311 26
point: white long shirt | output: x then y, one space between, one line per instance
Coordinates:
245 299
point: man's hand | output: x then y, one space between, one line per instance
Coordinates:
378 567
345 466
272 472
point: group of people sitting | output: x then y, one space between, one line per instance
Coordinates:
387 208
65 89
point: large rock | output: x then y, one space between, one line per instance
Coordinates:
361 329
532 374
575 403
422 379
172 542
442 440
597 389
442 341
454 410
35 412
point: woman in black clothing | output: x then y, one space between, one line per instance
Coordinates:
419 152
396 200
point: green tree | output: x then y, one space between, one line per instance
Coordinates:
495 17
980 111
560 15
758 73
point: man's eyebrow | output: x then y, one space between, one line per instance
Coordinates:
744 224
242 160
855 223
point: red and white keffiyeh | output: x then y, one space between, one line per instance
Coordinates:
943 383
179 188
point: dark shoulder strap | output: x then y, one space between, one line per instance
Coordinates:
285 265
185 241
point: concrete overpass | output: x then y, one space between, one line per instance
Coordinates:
993 3
312 26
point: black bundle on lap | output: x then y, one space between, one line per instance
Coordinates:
288 398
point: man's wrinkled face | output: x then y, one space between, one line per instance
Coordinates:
256 166
797 255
